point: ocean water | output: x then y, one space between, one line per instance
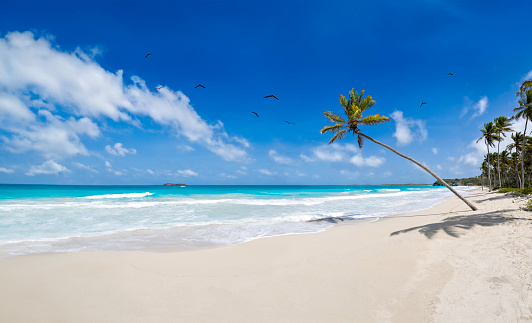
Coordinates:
55 218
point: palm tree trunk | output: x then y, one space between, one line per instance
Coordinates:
489 167
523 156
517 173
424 167
499 162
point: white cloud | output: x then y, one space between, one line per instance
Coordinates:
306 158
528 76
118 150
184 148
266 172
187 172
480 107
53 136
280 159
372 161
85 167
435 151
111 170
475 157
334 152
342 153
48 167
12 108
150 172
34 72
408 129
6 170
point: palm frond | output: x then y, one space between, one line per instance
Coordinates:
335 128
526 85
337 136
356 114
334 117
367 103
345 104
374 119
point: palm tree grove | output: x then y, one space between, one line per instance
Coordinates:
511 167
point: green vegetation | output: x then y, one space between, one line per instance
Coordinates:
470 181
353 109
489 134
513 165
515 191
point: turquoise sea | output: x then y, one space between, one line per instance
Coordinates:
57 218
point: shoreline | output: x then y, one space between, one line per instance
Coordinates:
219 233
408 267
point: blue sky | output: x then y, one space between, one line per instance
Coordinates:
79 102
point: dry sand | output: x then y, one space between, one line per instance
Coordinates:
444 264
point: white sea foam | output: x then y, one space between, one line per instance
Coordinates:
117 196
130 221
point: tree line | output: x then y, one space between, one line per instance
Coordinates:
511 167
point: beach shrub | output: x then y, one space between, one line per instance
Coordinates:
528 205
516 191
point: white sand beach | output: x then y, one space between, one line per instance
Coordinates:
444 264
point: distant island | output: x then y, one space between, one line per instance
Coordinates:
471 181
174 184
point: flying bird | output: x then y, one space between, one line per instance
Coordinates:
288 122
199 86
147 55
271 96
422 104
255 113
159 87
450 74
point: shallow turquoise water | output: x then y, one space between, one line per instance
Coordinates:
55 218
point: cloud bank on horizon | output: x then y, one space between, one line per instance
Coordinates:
52 100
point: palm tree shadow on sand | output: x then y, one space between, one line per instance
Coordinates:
454 224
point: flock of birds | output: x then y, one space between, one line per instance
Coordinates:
267 96
451 74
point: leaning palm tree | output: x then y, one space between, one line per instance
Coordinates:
354 106
502 125
524 111
489 135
